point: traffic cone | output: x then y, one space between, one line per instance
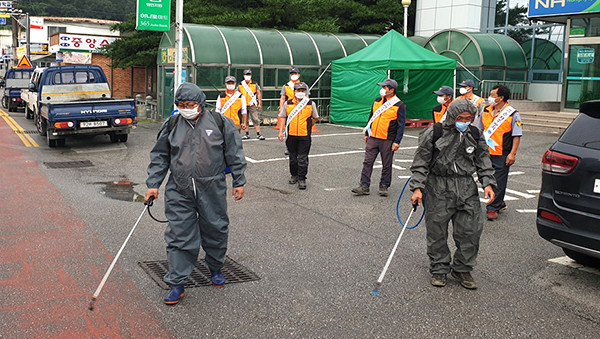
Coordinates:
314 129
279 122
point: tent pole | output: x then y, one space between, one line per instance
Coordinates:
454 88
388 73
320 76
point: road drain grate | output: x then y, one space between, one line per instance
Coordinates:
233 272
28 132
69 164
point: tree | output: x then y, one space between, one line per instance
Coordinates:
517 16
100 9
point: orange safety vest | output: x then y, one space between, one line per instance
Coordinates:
503 134
234 112
301 124
478 103
385 126
289 91
252 86
438 112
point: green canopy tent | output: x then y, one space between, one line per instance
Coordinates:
354 78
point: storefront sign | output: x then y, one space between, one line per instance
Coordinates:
84 58
36 22
540 8
585 55
153 15
4 5
88 43
167 55
37 48
577 31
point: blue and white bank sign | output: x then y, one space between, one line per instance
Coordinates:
540 8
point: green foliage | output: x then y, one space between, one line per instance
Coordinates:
135 48
517 16
99 9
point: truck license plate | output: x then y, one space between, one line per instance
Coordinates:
88 124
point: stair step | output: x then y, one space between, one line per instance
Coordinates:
540 120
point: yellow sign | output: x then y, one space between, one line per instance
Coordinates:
168 56
4 15
24 62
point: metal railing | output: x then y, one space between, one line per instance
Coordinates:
147 108
519 90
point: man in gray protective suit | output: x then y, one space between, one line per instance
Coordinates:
196 145
446 158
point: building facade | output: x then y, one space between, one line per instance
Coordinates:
433 16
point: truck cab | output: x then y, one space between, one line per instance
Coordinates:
15 80
75 100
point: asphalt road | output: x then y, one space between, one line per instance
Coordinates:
319 252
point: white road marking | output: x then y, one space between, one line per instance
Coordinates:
526 211
566 261
337 189
516 173
506 197
360 128
533 191
254 161
393 166
524 195
404 176
100 148
403 160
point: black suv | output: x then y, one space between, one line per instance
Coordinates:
569 205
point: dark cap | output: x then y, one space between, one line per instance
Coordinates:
444 90
189 92
300 85
389 82
230 78
467 83
294 70
247 71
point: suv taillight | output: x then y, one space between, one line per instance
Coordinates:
555 162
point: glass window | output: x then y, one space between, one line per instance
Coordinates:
81 77
585 27
268 77
583 132
583 78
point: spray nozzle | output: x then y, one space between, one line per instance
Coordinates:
150 201
415 205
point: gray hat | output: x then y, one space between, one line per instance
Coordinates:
294 70
467 83
247 71
190 92
457 107
300 85
230 78
444 90
389 82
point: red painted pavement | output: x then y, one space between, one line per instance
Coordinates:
50 264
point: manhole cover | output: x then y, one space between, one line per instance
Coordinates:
69 164
233 272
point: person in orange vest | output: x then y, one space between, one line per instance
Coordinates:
445 94
300 113
383 134
466 90
232 104
501 126
287 92
252 94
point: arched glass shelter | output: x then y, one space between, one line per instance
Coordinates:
547 59
213 52
490 57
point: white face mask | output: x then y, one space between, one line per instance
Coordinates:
294 77
189 113
230 87
247 77
441 100
491 100
463 90
382 92
300 95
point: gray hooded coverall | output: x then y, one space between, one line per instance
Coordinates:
195 194
450 191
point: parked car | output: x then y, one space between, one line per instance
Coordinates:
569 204
76 100
16 80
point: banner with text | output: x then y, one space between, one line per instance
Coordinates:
153 15
540 8
88 43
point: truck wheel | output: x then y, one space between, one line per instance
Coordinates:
41 124
113 138
123 137
5 102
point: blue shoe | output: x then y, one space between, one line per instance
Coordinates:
217 278
175 294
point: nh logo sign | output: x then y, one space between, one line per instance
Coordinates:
549 3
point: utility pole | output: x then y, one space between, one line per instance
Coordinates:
178 45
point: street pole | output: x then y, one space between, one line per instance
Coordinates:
28 36
405 4
506 17
178 45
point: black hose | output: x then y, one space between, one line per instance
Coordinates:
149 203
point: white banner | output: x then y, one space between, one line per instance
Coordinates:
84 58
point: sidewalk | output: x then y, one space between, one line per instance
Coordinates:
51 263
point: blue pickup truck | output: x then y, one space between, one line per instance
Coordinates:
15 80
76 100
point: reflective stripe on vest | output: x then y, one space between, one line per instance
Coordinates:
249 92
496 127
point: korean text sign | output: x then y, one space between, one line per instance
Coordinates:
153 15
